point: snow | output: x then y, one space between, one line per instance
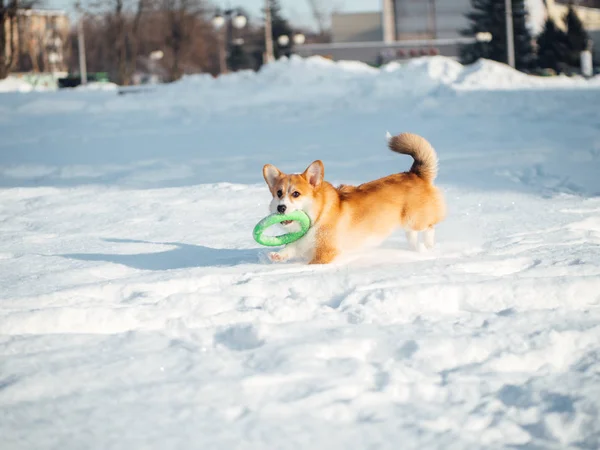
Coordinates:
16 84
137 311
98 86
485 74
536 14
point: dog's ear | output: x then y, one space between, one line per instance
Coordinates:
314 173
271 174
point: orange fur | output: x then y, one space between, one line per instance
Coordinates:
348 217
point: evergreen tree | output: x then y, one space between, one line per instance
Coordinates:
577 37
489 16
553 50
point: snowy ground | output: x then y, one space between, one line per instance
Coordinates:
137 312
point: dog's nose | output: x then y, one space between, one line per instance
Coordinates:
281 209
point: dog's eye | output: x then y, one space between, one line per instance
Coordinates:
296 194
279 193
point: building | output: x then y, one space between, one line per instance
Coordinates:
401 29
40 41
357 27
587 10
585 3
428 19
406 28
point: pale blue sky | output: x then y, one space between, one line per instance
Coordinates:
297 11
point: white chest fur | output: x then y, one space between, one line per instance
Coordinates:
304 247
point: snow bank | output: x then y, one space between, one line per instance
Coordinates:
304 83
318 73
98 86
307 79
15 84
492 75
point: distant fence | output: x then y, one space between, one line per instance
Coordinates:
45 80
50 80
376 52
70 81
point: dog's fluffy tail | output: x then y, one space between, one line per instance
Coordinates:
425 163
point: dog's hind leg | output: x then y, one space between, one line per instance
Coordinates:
412 237
429 237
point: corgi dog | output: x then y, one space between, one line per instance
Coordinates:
347 218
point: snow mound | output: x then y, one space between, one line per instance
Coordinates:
488 75
301 78
309 79
419 76
314 72
492 75
434 68
14 84
305 82
98 86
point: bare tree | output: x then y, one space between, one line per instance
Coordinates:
8 30
318 14
32 44
322 11
142 6
122 34
122 19
181 23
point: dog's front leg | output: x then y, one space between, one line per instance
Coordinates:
288 252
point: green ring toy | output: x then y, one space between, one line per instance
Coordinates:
288 238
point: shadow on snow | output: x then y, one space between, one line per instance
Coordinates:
183 256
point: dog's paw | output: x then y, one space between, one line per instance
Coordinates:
276 257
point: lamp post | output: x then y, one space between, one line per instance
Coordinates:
269 52
483 36
299 39
284 40
230 18
81 44
510 37
154 56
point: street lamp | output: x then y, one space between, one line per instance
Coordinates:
483 36
156 55
81 42
283 40
218 21
230 18
299 39
239 21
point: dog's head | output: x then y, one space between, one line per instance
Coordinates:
294 192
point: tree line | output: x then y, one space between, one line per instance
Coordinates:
122 36
553 48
